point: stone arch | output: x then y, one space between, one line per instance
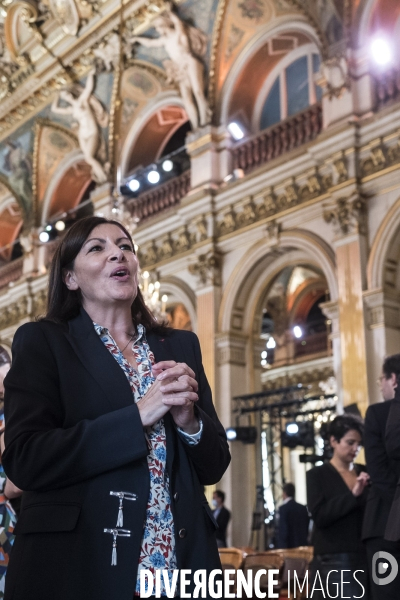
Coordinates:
280 26
161 101
72 170
181 292
295 247
382 244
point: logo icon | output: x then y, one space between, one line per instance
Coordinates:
386 560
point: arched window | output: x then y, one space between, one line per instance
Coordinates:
292 91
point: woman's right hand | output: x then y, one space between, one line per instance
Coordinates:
361 484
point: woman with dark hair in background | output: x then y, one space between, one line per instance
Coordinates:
112 432
8 491
336 497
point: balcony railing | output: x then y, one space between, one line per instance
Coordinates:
388 88
312 344
11 272
161 198
279 139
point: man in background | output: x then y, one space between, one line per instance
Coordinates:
293 520
384 472
222 516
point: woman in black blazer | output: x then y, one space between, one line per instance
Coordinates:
111 432
336 497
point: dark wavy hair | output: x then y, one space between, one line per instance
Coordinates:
342 424
64 304
391 364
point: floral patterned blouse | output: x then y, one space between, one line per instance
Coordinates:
158 542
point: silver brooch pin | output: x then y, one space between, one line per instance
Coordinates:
122 496
115 533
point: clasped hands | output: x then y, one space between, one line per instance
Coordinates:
174 390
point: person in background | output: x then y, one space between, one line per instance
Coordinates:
8 490
385 473
293 520
222 516
336 497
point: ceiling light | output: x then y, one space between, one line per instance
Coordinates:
133 185
44 236
292 428
60 225
297 332
167 165
49 227
264 354
236 131
381 52
153 176
271 344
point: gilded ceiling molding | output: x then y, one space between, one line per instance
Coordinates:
40 124
299 4
216 38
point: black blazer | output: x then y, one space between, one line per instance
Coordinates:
293 525
384 471
73 435
222 520
337 514
392 438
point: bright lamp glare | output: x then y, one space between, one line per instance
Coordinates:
60 225
44 236
133 185
292 428
167 166
49 227
236 131
153 176
297 332
271 343
231 434
381 52
264 354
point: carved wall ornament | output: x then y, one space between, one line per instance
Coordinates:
272 233
202 228
167 247
341 169
185 240
186 46
66 13
348 215
207 268
334 76
228 223
248 215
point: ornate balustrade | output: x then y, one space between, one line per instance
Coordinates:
161 197
11 272
275 141
387 87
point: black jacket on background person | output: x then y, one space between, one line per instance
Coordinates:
222 519
73 435
336 512
383 470
392 532
293 525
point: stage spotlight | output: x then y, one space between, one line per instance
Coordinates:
271 344
292 428
236 131
49 227
60 225
246 435
44 237
167 165
297 332
133 185
381 52
153 176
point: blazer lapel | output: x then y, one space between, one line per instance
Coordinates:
98 361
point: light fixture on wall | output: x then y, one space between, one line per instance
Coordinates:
246 435
381 52
236 130
297 332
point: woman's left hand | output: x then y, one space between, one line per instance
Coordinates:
177 381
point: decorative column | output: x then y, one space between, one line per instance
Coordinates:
382 334
207 268
102 199
348 216
239 482
331 311
210 157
